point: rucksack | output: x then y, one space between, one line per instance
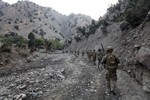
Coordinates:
111 60
100 55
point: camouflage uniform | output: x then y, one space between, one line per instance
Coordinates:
87 52
78 52
90 55
111 74
75 52
82 53
99 57
94 57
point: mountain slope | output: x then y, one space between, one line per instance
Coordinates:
24 17
124 31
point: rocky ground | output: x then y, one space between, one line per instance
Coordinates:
62 77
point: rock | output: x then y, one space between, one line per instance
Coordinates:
137 46
11 85
146 88
129 71
40 92
143 56
21 96
146 81
111 97
28 59
60 76
21 87
1 98
135 36
148 15
34 94
7 99
2 64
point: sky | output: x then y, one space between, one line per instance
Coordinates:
93 8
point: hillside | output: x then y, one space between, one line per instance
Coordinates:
24 17
126 27
47 73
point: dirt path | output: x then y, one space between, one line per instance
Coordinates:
62 77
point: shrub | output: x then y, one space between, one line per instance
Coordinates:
6 48
31 36
39 42
55 44
77 38
136 12
21 41
31 43
16 27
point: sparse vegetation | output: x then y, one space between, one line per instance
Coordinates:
137 11
11 38
39 42
42 33
16 27
31 38
134 14
91 29
77 38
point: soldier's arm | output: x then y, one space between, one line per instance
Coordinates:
103 61
117 59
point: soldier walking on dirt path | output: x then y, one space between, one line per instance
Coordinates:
78 52
90 55
94 57
99 58
111 62
82 53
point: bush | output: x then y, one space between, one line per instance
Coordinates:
55 44
137 11
31 43
11 38
20 41
77 38
31 36
6 48
16 27
39 42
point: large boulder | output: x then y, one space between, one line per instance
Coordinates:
143 56
148 15
146 81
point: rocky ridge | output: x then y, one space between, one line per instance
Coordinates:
24 17
126 42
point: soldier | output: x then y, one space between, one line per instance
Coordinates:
111 62
78 52
87 53
82 53
94 57
90 55
70 51
99 57
75 52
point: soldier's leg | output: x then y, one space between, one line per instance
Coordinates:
98 64
113 81
113 85
108 82
94 62
108 86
